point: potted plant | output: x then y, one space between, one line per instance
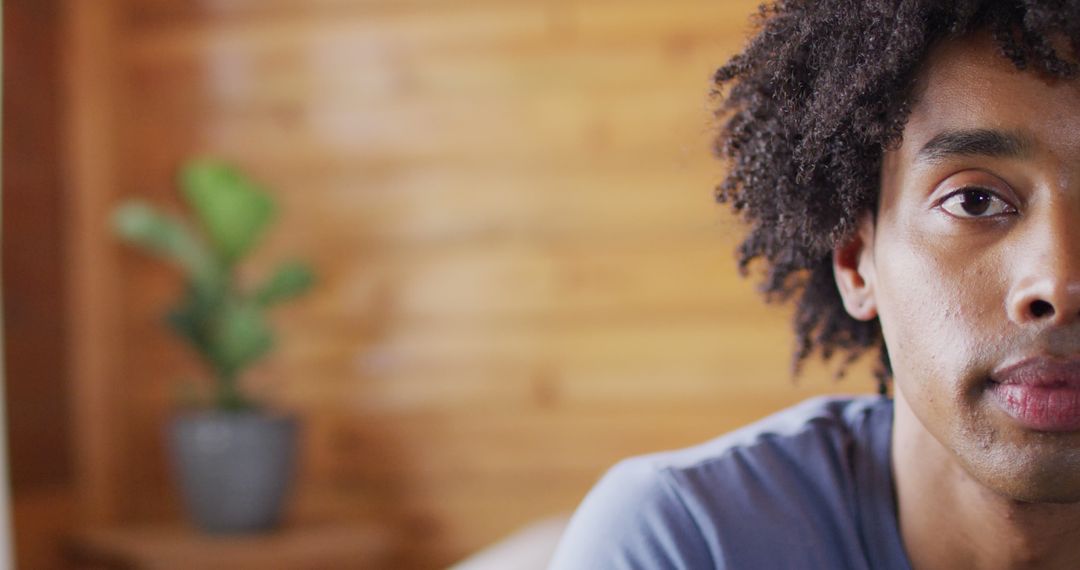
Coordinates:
232 456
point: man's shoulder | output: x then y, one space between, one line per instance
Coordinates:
804 459
781 481
825 420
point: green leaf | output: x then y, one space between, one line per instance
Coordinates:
291 279
241 337
167 237
223 322
233 210
192 319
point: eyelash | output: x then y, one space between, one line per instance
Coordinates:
1006 207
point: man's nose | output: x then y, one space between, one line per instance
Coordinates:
1046 285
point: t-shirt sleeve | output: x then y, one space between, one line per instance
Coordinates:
632 519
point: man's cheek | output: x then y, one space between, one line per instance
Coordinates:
924 321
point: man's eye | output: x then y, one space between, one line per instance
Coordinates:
975 203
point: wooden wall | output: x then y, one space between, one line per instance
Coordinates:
35 314
509 203
34 310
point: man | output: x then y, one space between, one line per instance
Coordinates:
910 171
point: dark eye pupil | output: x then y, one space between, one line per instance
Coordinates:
976 202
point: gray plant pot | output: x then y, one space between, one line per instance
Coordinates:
234 468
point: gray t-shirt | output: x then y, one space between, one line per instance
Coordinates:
807 488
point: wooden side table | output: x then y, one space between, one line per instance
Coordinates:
308 547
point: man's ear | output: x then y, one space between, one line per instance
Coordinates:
853 267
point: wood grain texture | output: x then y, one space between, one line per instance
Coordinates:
34 311
37 395
523 277
91 96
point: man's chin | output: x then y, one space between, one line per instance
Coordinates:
1026 477
1044 495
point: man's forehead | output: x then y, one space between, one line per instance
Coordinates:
955 75
969 95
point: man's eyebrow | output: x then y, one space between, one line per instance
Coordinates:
974 142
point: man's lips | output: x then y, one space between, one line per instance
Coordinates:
1042 394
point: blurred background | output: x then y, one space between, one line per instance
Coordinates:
522 276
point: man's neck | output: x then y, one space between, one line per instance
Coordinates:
950 520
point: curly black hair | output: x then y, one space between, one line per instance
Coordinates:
807 111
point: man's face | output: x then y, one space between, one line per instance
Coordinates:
974 261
